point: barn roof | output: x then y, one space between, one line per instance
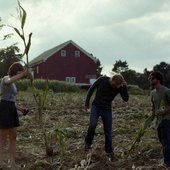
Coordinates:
45 55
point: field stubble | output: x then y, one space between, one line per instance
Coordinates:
64 111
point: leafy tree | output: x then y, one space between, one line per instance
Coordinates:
7 57
142 80
131 76
146 72
120 66
164 68
99 68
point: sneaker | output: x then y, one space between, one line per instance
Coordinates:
111 157
87 146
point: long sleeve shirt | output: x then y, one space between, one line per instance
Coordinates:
105 93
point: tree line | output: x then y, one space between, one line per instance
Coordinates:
141 79
11 54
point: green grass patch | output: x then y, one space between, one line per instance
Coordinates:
54 85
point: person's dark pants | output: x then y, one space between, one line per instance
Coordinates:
164 138
106 116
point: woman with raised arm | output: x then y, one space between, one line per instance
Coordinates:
8 111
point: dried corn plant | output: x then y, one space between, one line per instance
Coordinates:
40 96
22 15
145 125
141 131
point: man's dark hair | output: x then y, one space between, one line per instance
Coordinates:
157 75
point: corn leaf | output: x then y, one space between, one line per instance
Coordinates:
28 46
146 125
7 36
141 131
23 15
17 31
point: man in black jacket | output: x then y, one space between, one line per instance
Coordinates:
107 88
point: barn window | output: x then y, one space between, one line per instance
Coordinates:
63 53
77 53
73 80
67 79
37 69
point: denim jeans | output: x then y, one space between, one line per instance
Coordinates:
106 116
164 137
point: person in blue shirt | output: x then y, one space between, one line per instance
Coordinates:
8 110
107 88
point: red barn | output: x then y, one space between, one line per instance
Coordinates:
66 62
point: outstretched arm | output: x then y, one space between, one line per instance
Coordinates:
13 79
90 92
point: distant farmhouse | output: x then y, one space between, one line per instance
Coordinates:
66 62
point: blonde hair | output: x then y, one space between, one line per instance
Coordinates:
117 77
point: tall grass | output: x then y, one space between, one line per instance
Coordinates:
135 90
54 85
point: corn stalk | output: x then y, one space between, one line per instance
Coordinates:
145 125
61 137
40 96
27 43
141 131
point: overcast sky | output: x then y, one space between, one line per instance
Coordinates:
137 31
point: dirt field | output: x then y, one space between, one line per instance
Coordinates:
64 113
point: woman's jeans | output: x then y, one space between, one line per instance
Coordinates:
106 116
164 138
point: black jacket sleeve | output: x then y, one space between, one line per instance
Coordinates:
124 93
91 90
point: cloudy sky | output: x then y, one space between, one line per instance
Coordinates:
136 31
